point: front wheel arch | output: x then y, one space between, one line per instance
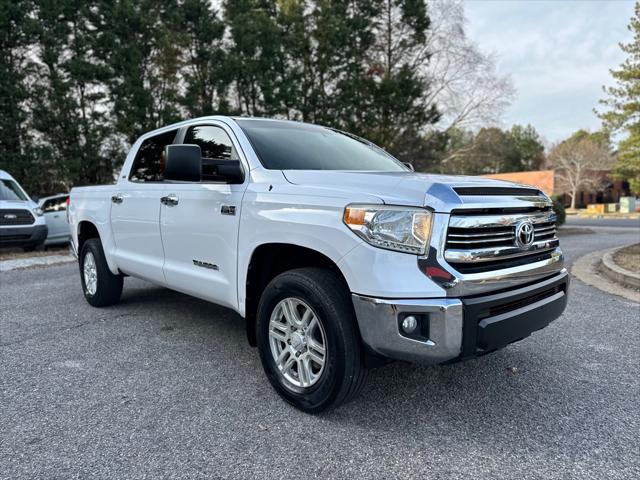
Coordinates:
267 262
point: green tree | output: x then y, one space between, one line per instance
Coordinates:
623 108
16 30
529 147
399 88
255 55
141 45
491 150
68 101
206 73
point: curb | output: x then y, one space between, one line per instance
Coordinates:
587 270
45 261
617 273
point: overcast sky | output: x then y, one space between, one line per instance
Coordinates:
558 54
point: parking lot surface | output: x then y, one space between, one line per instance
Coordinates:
166 386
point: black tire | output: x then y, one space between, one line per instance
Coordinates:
344 371
34 247
109 286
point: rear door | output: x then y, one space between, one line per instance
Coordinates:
135 212
200 225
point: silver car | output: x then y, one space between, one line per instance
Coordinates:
55 214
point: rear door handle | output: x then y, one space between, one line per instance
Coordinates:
117 198
170 200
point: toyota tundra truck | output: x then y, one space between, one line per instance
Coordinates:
338 256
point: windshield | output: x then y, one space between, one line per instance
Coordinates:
301 146
9 190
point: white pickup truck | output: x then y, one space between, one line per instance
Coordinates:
337 255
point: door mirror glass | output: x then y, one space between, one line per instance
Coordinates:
183 163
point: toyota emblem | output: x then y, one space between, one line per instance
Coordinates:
524 234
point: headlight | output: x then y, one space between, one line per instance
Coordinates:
403 229
38 211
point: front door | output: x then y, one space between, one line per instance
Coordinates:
55 214
135 212
199 225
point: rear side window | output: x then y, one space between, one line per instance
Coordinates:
58 204
148 166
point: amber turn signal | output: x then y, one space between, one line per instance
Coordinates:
354 216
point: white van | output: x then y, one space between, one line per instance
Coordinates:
22 223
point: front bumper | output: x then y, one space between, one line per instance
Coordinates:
459 328
30 236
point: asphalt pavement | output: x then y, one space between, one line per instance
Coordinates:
165 386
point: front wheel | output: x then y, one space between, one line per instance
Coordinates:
101 287
308 339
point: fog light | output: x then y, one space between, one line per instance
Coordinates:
409 324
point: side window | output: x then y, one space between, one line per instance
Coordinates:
58 204
215 144
148 166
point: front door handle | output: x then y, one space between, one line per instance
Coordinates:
117 198
169 200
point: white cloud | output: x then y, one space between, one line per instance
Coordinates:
558 54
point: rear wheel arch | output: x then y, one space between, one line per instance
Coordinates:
86 230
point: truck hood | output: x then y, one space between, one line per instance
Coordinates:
408 188
27 204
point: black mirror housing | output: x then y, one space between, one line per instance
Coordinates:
183 163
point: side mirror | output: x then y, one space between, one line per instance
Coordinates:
183 163
409 165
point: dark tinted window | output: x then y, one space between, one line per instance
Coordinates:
299 146
9 190
214 142
148 165
58 204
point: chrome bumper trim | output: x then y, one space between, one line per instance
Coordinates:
497 253
378 322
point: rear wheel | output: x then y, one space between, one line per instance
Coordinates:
308 339
101 287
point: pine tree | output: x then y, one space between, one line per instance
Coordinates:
15 38
623 108
141 45
529 147
206 74
68 105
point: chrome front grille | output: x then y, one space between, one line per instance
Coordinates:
479 241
